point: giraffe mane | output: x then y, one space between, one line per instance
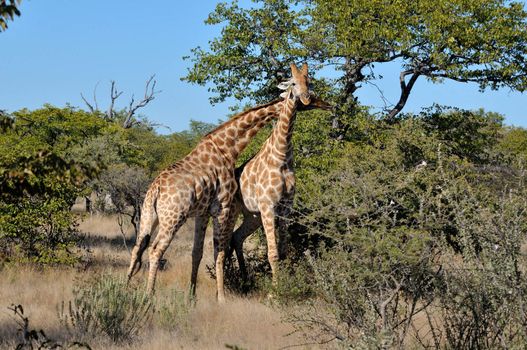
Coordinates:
239 115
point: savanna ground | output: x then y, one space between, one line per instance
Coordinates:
247 322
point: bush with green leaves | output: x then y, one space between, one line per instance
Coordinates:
420 218
39 181
105 305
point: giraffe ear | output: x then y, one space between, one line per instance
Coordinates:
286 94
285 85
304 68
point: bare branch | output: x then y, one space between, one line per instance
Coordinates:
95 96
114 95
150 93
128 122
90 107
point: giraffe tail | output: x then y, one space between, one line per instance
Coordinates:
147 226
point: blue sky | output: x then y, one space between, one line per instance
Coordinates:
60 48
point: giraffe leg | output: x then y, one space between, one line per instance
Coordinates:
282 224
223 225
268 221
282 238
149 222
197 251
166 232
249 225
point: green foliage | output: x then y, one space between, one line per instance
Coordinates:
467 41
38 230
469 135
422 215
8 11
481 41
513 144
256 45
50 156
40 181
172 310
106 306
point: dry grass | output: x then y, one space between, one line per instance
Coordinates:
245 322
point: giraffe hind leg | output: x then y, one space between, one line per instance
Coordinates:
197 251
136 267
149 222
166 233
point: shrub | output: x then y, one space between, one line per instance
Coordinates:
421 218
39 181
106 306
37 229
172 310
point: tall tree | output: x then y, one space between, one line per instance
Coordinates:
480 41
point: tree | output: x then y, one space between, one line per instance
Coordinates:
482 41
39 181
8 10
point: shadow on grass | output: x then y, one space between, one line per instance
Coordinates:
16 332
94 241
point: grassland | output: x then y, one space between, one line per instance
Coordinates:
247 322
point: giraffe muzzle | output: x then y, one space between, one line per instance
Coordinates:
305 98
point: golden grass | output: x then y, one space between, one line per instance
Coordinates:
245 322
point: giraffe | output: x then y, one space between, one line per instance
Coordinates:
202 185
267 186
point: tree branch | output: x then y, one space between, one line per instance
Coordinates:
114 95
90 107
406 88
150 93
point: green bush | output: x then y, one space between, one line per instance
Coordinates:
38 229
172 310
106 306
421 217
39 181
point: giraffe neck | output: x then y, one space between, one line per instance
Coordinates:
232 137
283 132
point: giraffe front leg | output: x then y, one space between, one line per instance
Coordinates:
249 225
197 252
268 221
283 225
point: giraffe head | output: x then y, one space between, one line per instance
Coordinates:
298 86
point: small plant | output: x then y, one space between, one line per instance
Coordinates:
33 339
172 310
106 306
